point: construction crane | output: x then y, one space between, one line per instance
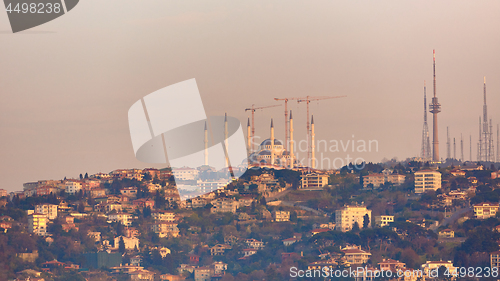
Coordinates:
307 100
252 109
287 140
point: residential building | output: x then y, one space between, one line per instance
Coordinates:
98 192
185 173
254 244
396 179
165 229
131 243
124 218
495 259
346 217
129 191
382 221
392 265
374 179
313 180
37 224
446 233
485 210
354 255
3 193
433 265
224 205
427 180
72 187
45 190
161 215
203 274
280 216
141 275
219 249
48 209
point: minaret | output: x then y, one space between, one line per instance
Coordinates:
291 141
206 144
249 137
461 148
313 159
485 145
454 149
435 109
272 142
226 140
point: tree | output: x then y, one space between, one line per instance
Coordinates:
86 175
81 208
366 220
121 245
81 177
355 227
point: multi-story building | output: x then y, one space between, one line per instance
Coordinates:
3 193
124 218
224 205
495 259
396 179
392 265
161 215
219 249
165 229
431 266
203 274
313 180
485 210
185 173
280 216
354 255
346 217
131 243
254 244
374 179
47 209
45 190
37 224
427 180
72 187
382 221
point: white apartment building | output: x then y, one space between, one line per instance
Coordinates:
47 209
72 187
185 173
313 180
427 180
347 216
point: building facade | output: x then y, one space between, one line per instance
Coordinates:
427 180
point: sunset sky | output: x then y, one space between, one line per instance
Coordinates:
66 86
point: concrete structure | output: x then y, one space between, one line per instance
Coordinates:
433 265
485 210
427 180
124 218
130 243
426 144
161 215
72 187
495 259
350 214
382 221
280 216
435 108
224 205
47 209
355 256
374 179
37 224
313 180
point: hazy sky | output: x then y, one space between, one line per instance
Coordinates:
66 86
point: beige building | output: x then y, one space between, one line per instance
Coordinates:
130 243
161 215
165 229
37 224
433 265
280 216
224 205
350 214
396 179
382 221
375 179
47 209
485 210
427 180
313 180
354 255
495 259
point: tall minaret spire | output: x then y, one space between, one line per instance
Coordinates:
313 158
291 141
206 144
272 142
249 137
435 108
